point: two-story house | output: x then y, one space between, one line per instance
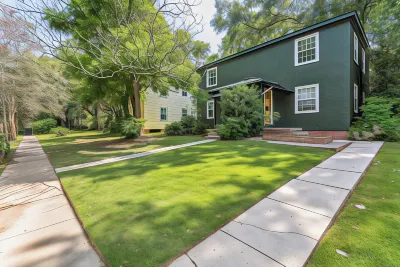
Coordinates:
159 110
315 77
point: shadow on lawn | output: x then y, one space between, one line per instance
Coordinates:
166 213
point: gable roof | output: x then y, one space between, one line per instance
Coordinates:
293 34
251 80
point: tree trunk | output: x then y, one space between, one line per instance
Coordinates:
136 96
11 115
5 119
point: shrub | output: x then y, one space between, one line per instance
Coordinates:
59 131
241 113
188 123
232 129
44 126
174 128
380 120
130 128
200 127
4 146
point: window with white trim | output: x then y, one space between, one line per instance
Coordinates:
184 112
193 113
363 60
355 98
212 77
184 93
355 48
210 109
307 49
307 99
163 114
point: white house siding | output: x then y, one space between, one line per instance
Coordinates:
174 103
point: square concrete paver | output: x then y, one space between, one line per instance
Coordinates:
347 162
276 216
182 261
317 198
222 250
288 249
342 179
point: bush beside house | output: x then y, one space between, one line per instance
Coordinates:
186 126
241 113
380 120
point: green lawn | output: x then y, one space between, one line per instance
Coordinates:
145 211
13 146
371 237
86 146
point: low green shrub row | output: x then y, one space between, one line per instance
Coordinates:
186 126
60 131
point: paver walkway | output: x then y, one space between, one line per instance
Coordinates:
284 228
37 225
131 156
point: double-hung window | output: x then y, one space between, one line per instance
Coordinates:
184 112
363 60
210 109
307 99
211 77
355 49
307 49
355 98
163 114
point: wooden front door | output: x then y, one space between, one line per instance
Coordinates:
268 107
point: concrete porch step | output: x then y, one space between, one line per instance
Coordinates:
298 138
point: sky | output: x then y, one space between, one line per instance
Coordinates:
205 10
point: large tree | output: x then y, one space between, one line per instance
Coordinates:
140 43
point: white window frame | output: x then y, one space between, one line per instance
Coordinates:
213 109
166 114
216 76
296 49
355 98
184 93
183 112
363 60
355 52
296 100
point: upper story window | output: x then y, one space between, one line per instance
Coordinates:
355 48
307 49
307 99
163 114
363 60
210 109
212 77
184 93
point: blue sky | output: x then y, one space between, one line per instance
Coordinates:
206 9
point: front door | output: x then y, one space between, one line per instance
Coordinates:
268 107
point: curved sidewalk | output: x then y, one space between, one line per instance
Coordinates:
38 227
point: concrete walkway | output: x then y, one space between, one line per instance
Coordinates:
37 225
131 156
284 228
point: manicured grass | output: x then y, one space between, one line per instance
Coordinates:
145 211
371 237
86 146
13 146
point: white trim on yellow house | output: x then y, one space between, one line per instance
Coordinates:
174 103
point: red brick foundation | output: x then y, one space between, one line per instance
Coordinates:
336 135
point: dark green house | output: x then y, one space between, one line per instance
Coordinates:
315 77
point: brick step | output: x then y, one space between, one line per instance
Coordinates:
299 139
